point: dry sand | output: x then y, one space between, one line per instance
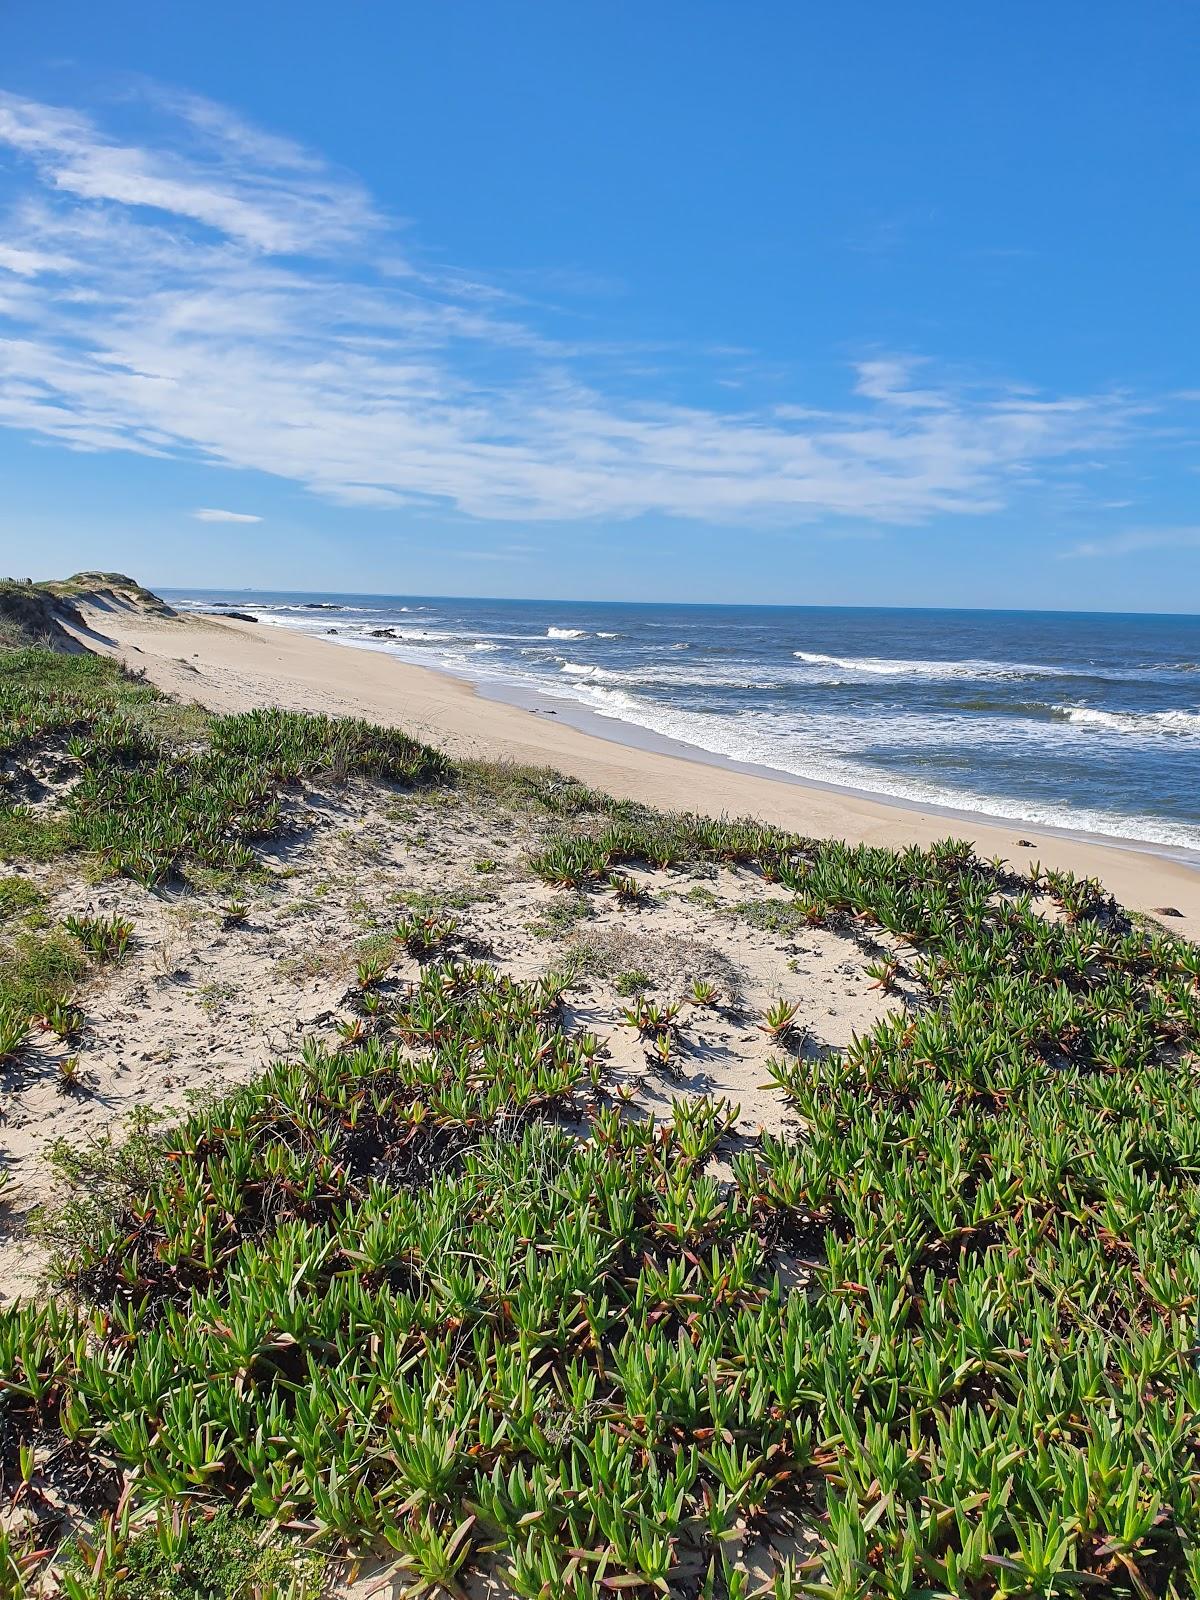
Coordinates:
229 666
203 1002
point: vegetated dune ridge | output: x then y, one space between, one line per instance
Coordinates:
48 614
896 1288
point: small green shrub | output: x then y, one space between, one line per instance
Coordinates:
197 1555
561 916
630 983
39 971
19 898
31 836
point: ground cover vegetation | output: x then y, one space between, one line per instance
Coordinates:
434 1292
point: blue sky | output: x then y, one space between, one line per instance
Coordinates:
829 304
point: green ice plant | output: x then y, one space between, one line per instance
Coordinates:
884 973
61 1018
72 1078
371 968
425 936
14 1031
780 1019
105 938
627 889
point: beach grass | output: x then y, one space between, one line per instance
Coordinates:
433 1293
148 801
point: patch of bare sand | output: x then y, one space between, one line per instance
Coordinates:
203 1001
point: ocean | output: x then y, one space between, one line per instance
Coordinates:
1085 722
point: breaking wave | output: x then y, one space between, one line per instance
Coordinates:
1181 724
886 667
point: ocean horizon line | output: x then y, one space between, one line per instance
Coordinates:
697 605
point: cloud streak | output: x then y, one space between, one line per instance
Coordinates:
214 514
211 292
1134 540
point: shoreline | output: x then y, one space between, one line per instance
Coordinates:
575 713
231 665
637 737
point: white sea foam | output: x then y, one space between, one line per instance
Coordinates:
566 633
974 668
810 748
886 667
714 675
317 611
452 636
1180 724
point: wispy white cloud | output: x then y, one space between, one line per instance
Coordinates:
29 263
1134 540
891 381
256 190
214 514
230 298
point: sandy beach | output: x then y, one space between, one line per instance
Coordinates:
230 665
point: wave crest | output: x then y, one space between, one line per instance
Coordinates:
1180 724
889 667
